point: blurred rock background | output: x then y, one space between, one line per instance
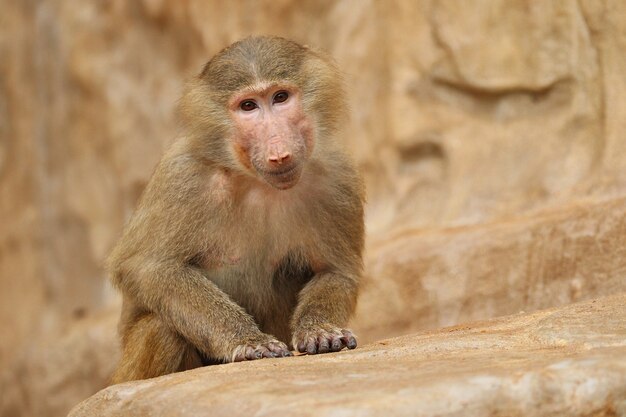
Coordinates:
490 133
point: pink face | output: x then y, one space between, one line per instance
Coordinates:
273 136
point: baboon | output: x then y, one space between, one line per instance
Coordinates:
247 241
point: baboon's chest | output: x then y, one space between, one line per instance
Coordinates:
263 258
265 285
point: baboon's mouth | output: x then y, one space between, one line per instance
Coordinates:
284 172
283 178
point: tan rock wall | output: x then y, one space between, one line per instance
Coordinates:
439 277
479 115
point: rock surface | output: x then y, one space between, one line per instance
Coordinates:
428 278
52 374
568 361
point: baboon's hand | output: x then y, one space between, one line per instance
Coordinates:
323 339
265 347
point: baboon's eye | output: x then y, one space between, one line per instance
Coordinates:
281 97
248 105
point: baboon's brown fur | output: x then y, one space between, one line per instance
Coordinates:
218 263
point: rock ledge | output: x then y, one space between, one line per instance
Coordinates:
568 361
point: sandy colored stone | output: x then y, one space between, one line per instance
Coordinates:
429 278
568 361
50 375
